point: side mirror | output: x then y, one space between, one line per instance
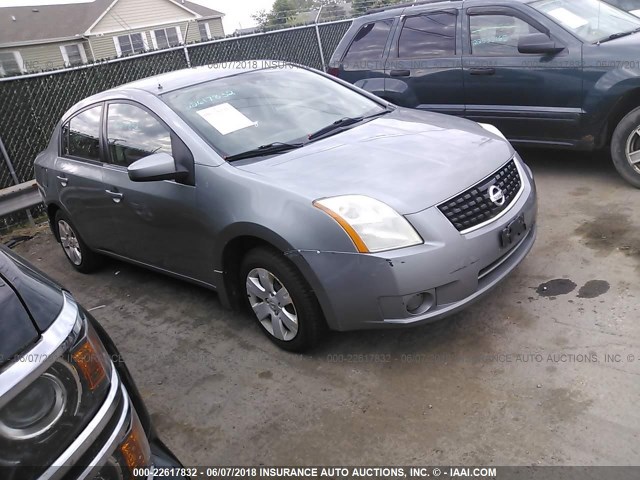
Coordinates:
538 43
156 167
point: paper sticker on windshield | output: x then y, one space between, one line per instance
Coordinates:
568 18
225 118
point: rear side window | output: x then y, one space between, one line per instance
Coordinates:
134 133
81 135
429 35
370 41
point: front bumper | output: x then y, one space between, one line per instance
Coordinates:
451 270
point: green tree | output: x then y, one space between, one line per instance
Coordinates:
282 12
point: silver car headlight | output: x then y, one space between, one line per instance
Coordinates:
493 129
373 226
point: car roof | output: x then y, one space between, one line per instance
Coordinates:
177 79
385 12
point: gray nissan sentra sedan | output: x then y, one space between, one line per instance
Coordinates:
304 198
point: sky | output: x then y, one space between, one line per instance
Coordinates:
237 12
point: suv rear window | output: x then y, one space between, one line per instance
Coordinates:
428 35
369 42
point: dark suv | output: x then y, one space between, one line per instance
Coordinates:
631 6
557 73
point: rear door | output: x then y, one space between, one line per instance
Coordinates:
424 68
532 98
363 61
79 169
155 221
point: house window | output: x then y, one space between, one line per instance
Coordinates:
73 54
205 31
130 44
11 63
166 37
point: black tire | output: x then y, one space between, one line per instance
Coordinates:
621 137
311 325
89 261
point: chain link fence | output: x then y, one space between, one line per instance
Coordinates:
33 104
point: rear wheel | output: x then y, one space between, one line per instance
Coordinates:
76 251
281 300
625 148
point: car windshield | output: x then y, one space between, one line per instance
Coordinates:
590 20
273 106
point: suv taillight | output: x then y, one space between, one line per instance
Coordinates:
333 71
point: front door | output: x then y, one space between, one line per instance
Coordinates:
532 98
156 221
424 67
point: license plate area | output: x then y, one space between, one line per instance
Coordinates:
513 232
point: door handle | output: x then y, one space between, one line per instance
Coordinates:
400 73
115 196
63 180
482 71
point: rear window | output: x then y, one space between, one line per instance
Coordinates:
369 42
428 35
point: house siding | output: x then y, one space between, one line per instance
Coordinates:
104 48
136 14
217 29
46 56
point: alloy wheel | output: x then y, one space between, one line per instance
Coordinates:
633 150
70 243
272 304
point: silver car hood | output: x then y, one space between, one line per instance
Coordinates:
409 159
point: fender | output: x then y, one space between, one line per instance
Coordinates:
372 85
398 92
224 288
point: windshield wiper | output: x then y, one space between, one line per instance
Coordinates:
337 126
269 149
619 35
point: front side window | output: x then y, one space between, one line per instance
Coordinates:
81 135
73 54
166 37
369 42
497 35
133 133
130 44
10 63
429 35
590 20
246 111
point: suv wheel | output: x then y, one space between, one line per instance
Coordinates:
625 148
76 251
281 300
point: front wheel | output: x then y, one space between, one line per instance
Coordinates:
625 148
281 300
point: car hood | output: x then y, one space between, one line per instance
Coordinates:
41 296
409 159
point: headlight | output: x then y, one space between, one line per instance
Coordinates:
372 225
493 129
34 410
40 422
